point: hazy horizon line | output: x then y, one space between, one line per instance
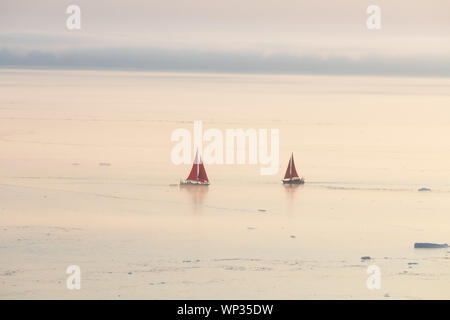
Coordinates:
243 62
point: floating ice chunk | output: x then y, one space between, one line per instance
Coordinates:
430 245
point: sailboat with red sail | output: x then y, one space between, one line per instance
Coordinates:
197 176
291 176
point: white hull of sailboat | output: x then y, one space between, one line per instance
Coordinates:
193 183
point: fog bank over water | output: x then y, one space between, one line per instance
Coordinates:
292 37
157 59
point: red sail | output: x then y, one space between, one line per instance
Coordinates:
193 174
202 177
291 172
287 175
294 171
198 172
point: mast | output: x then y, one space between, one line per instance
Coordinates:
293 170
198 169
290 164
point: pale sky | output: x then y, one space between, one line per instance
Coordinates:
290 36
